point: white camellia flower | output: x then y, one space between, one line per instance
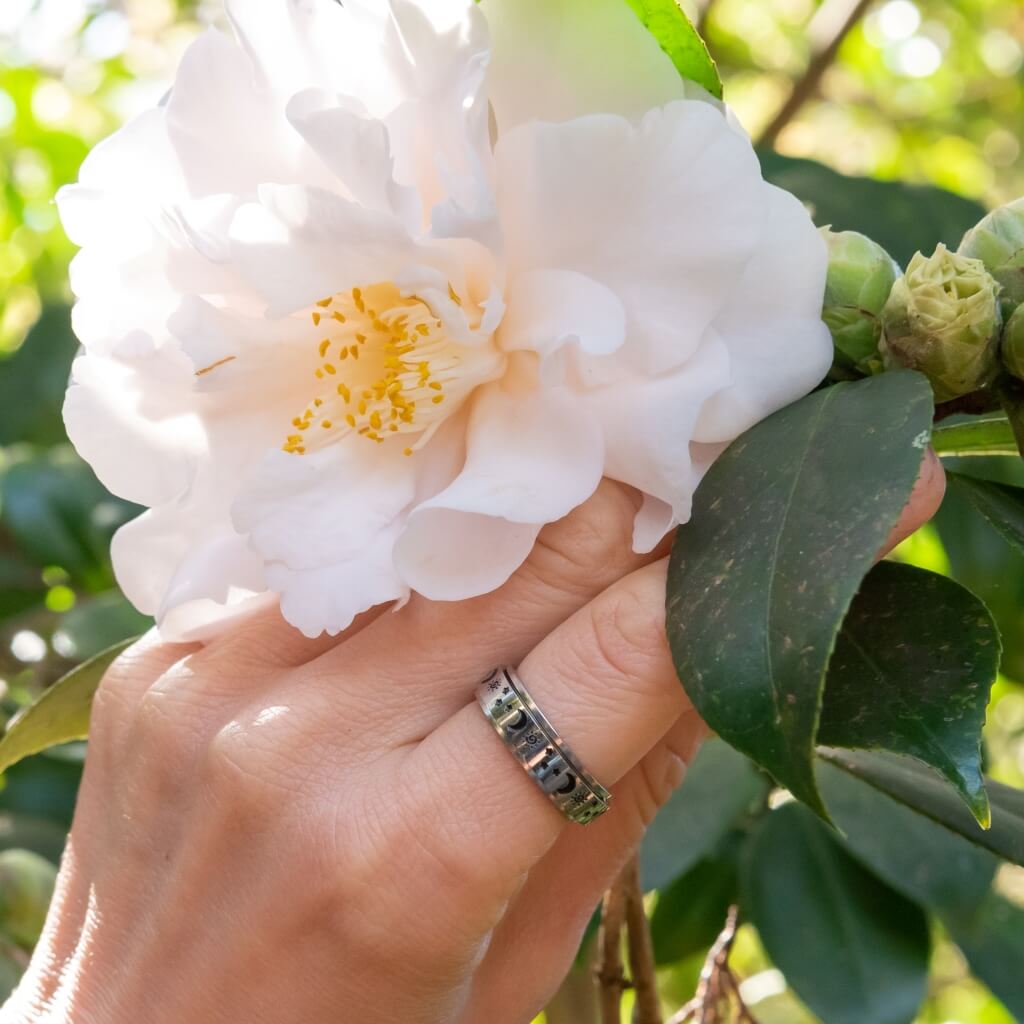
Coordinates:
383 288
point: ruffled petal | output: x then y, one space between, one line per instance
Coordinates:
665 214
779 349
547 308
555 61
648 424
134 424
531 458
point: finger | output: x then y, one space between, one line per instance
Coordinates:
568 883
413 669
606 680
923 503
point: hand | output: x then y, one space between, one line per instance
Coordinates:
277 830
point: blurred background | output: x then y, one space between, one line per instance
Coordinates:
902 92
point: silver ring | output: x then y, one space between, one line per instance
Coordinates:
536 745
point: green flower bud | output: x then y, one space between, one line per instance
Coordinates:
26 888
860 276
998 241
1013 343
943 319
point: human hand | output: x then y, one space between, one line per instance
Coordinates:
272 829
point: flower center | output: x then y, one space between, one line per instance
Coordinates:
385 367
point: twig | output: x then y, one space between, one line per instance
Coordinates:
821 61
717 985
611 981
647 1009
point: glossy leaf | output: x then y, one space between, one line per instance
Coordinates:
925 861
60 714
903 218
852 948
1000 504
991 937
721 788
667 22
33 380
920 788
785 526
59 513
691 911
983 435
911 673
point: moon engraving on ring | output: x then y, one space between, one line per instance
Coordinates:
568 786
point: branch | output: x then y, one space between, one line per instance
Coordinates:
647 1009
611 980
717 988
821 61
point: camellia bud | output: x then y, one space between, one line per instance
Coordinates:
943 318
26 887
860 276
1013 343
998 241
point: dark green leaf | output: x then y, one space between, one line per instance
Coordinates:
60 514
903 218
42 786
920 788
984 435
97 623
668 24
992 940
1011 398
691 911
33 381
721 788
852 948
1001 505
60 714
785 526
927 862
911 673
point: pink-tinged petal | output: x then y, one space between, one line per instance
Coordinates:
297 245
547 308
779 349
653 521
648 424
134 423
665 214
328 597
325 507
184 564
552 61
357 152
531 458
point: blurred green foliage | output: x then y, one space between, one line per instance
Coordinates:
922 93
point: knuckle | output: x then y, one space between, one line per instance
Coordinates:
253 770
589 542
626 630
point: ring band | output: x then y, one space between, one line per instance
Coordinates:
536 745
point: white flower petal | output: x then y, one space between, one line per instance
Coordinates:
554 61
779 349
652 522
328 597
648 425
178 556
547 308
133 424
531 458
326 506
665 214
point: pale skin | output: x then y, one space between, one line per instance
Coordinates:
274 830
